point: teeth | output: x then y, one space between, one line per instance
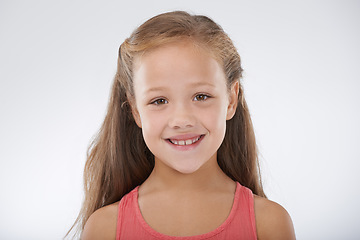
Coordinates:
185 142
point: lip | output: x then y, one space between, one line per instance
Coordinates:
185 137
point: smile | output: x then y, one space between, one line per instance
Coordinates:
185 142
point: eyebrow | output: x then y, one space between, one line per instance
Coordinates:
197 84
155 89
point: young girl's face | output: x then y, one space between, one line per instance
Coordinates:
182 103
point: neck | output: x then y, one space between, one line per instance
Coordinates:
208 177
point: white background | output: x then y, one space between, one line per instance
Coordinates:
301 61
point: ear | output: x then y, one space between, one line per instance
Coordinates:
135 112
233 100
136 116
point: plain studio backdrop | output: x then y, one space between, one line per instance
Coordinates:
301 62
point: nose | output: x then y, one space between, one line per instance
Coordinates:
181 116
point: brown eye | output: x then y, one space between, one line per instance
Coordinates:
159 101
201 97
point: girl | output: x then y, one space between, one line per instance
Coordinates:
176 156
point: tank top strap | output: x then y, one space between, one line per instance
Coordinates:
245 214
127 220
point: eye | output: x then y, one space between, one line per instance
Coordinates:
159 101
201 97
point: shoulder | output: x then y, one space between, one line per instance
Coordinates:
102 223
272 220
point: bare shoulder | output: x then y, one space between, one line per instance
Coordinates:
102 223
272 220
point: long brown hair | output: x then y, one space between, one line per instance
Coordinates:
119 160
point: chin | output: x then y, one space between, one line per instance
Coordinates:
187 169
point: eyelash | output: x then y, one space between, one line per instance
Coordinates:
161 101
157 101
202 95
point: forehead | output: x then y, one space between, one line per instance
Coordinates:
177 62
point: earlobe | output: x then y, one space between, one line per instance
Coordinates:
135 112
136 116
233 100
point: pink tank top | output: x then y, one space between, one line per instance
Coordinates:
240 224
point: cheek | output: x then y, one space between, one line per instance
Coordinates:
217 115
215 122
152 124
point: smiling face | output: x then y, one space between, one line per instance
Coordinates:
182 104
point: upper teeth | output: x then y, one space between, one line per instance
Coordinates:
185 142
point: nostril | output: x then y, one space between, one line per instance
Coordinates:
182 122
179 124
